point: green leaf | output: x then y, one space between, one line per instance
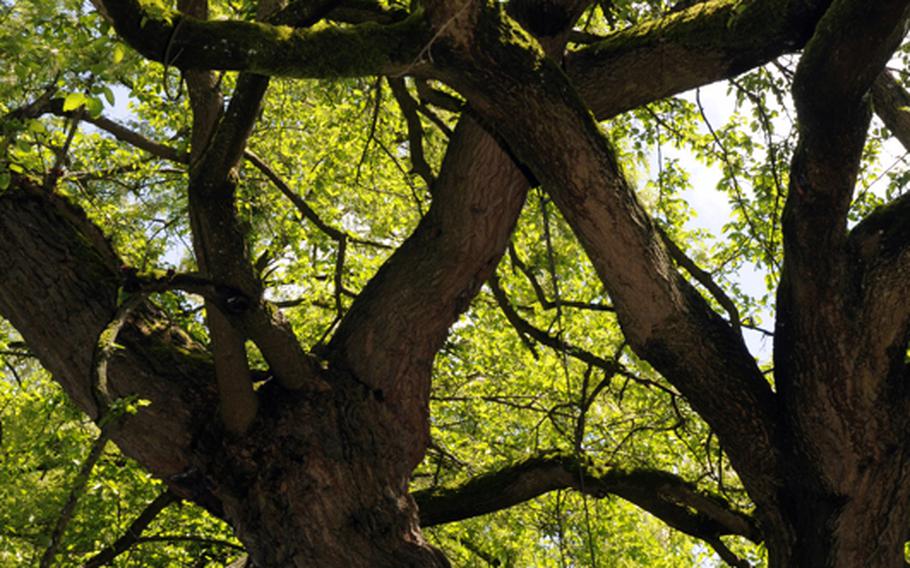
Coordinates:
94 106
73 101
118 53
108 95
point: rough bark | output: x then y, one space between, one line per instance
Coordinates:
319 475
841 335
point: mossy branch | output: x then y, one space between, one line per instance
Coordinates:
189 43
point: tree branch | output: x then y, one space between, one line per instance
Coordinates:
666 496
833 119
824 295
528 101
703 278
222 253
48 244
133 532
408 108
702 44
392 331
54 105
395 327
892 104
217 241
187 42
523 327
542 298
76 491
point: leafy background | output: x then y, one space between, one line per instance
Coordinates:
713 173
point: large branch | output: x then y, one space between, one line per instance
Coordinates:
391 333
48 245
881 241
395 327
221 249
193 43
666 496
529 101
702 44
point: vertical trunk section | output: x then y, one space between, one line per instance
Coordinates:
867 528
326 489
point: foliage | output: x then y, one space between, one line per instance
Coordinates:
499 394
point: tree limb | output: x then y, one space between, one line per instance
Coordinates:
824 295
528 101
76 491
687 49
391 332
188 42
48 244
133 532
217 241
666 496
892 104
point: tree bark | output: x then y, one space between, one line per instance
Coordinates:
319 476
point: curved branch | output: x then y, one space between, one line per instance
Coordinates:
702 44
666 496
190 43
48 244
852 43
392 331
133 532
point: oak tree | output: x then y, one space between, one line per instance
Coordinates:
351 177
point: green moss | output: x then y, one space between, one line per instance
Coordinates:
326 52
721 22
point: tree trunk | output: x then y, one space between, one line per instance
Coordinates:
867 527
321 479
327 489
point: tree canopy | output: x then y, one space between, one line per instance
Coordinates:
464 282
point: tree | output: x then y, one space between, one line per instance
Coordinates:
303 430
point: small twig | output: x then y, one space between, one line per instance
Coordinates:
57 170
304 208
339 276
739 195
372 134
409 109
726 554
703 278
556 343
14 372
542 299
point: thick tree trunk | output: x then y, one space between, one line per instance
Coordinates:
867 527
318 482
